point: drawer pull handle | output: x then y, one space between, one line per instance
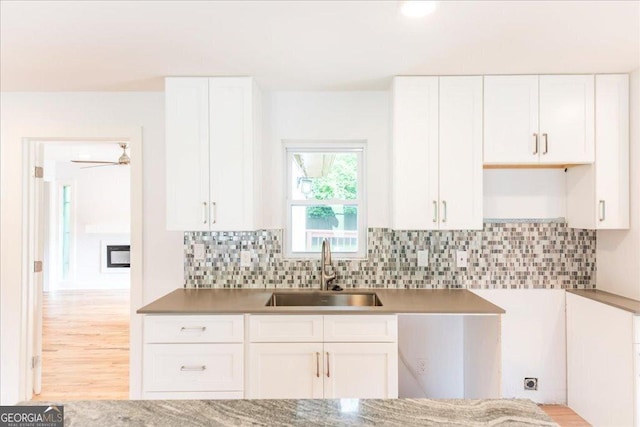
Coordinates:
444 211
204 212
317 364
193 328
328 366
435 211
193 368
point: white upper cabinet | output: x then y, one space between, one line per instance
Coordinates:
460 153
187 151
212 153
415 153
567 119
598 194
531 120
437 153
511 120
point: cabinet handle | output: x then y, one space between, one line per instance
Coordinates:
435 211
204 212
546 143
193 328
444 211
535 143
328 367
193 368
213 212
317 364
602 211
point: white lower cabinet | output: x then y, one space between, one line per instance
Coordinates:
193 357
324 369
600 362
286 371
361 370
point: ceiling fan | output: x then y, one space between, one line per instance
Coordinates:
124 160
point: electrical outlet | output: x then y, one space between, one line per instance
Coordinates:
198 251
462 259
245 259
530 383
421 366
423 258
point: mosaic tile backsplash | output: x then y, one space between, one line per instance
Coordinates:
502 255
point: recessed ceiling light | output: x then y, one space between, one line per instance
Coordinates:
417 8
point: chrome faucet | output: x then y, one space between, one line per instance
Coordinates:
325 261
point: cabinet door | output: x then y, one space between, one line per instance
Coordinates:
361 370
612 152
600 370
460 153
566 119
187 153
415 153
231 156
511 120
285 371
193 367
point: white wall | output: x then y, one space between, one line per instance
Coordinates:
327 116
23 113
533 342
101 213
618 251
438 340
524 193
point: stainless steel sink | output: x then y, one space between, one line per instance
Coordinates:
320 299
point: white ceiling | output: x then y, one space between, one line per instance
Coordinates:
304 45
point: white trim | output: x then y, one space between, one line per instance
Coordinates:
335 146
32 141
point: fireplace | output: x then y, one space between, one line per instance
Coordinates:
116 257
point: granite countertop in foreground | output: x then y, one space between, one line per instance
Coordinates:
225 301
334 412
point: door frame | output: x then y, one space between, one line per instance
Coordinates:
31 145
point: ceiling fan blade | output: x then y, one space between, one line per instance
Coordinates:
99 166
93 161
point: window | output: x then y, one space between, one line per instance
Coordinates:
65 240
325 200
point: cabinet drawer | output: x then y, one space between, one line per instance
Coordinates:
193 329
361 328
286 328
193 367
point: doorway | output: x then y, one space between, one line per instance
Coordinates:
85 225
85 300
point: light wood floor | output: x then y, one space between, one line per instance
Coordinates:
85 348
564 416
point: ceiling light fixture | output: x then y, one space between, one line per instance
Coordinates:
417 8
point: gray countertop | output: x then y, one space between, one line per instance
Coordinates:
608 298
335 412
225 301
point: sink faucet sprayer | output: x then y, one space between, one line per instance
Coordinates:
325 261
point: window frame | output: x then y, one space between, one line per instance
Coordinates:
326 146
71 277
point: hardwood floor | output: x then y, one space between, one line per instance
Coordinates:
85 348
564 416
